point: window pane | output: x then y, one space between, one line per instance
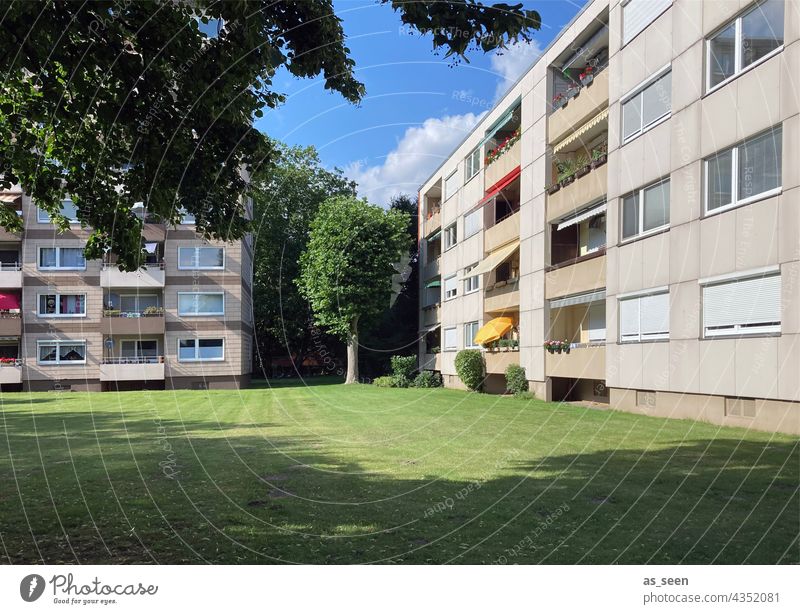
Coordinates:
147 300
210 257
147 348
630 216
762 31
186 304
72 304
186 257
632 117
719 180
186 349
656 100
47 303
760 164
72 257
656 206
47 257
209 303
47 353
69 210
722 55
71 352
210 348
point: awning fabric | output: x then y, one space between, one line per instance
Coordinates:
494 259
603 115
434 236
493 330
588 49
583 215
9 301
436 283
500 185
578 299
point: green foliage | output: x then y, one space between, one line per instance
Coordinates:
516 382
385 381
117 102
470 368
404 365
428 379
400 381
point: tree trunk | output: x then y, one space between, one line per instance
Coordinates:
352 353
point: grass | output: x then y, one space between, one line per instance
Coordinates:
336 474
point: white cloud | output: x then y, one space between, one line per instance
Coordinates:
418 153
512 62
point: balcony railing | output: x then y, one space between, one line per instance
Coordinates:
578 105
10 266
502 165
10 362
582 361
158 265
601 251
132 368
148 322
10 324
133 360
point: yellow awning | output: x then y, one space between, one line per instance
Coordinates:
582 130
493 330
495 258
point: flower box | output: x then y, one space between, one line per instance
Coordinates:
583 171
553 188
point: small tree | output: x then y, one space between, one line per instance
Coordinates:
346 270
470 368
516 380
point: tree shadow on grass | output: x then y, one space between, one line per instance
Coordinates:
109 487
296 382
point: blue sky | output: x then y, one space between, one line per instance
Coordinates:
418 105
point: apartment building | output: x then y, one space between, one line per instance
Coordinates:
635 198
184 320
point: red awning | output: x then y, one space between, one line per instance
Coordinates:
503 183
9 301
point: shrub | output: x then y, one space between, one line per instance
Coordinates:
428 379
404 366
400 381
385 381
470 368
516 382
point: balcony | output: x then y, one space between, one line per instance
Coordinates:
10 371
134 369
145 323
581 275
10 324
10 275
431 315
433 221
589 100
151 277
502 166
582 191
431 269
498 360
583 361
501 233
430 362
502 297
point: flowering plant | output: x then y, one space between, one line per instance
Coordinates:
558 98
556 345
6 361
502 147
586 72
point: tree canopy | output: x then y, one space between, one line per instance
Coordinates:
116 102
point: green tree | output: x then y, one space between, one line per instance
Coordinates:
114 102
286 199
346 271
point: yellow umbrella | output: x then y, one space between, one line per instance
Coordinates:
493 330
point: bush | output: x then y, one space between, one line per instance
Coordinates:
516 382
470 368
386 381
428 379
404 366
400 381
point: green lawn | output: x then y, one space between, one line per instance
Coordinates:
335 474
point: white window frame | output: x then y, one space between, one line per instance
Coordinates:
479 214
197 349
640 232
447 193
735 202
741 330
454 290
136 343
472 164
469 339
58 266
43 217
202 314
468 278
737 62
58 343
138 306
445 347
196 258
638 296
446 236
638 92
58 302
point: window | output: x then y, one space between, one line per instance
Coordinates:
645 398
638 14
450 185
137 303
470 330
187 218
195 350
472 164
450 339
745 172
450 287
472 222
471 283
645 210
68 210
743 306
741 408
201 257
745 41
61 352
62 305
450 236
63 258
138 348
597 322
646 107
644 317
201 303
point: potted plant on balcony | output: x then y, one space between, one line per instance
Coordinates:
559 100
565 346
587 76
572 91
599 155
503 147
582 166
435 350
153 311
553 188
566 172
551 346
